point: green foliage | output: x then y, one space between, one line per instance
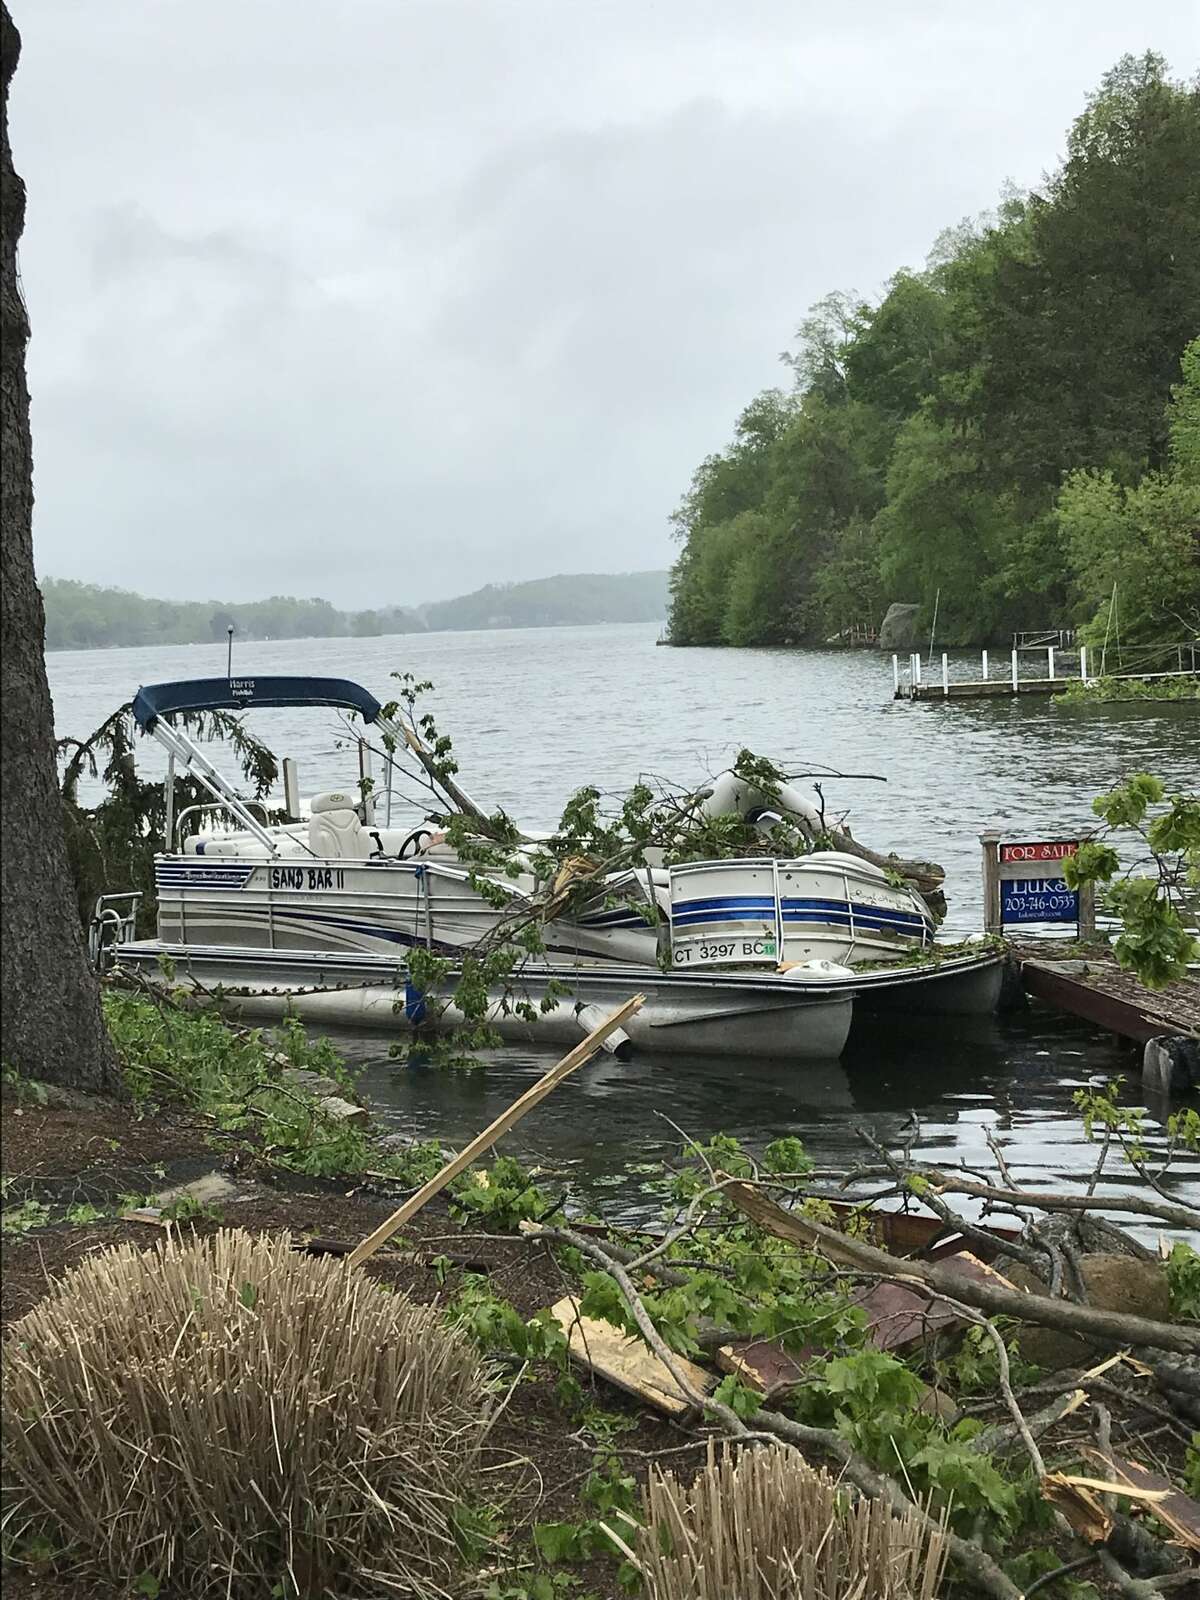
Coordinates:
975 1366
1191 1473
175 1054
1183 1282
112 845
787 1155
501 1197
537 1586
609 1492
25 1091
563 1541
186 1208
1106 690
498 1326
23 1217
1099 1108
870 1398
1014 428
1154 942
739 1397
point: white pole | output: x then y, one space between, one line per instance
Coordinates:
169 824
1083 663
1014 670
985 666
945 675
896 673
917 667
1050 662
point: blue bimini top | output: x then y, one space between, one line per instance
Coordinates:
241 694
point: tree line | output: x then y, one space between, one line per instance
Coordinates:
90 616
1012 433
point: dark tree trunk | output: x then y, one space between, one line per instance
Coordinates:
50 1021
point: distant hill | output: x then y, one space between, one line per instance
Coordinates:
545 602
86 616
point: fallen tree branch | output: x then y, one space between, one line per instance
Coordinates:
1132 1205
1105 1327
1001 1439
1014 1247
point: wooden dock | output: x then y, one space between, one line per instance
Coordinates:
1097 990
919 681
1003 688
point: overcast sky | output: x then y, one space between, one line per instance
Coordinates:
385 299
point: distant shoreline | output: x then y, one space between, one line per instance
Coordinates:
310 638
86 616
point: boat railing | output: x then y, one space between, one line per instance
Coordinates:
114 922
215 805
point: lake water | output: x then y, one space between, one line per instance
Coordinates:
536 713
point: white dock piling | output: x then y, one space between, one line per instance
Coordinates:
896 673
1083 663
945 675
983 658
1050 662
1014 671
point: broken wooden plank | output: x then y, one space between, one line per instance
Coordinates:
762 1364
1080 1505
150 1214
1178 1511
627 1363
900 1315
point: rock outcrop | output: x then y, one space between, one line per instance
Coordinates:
898 631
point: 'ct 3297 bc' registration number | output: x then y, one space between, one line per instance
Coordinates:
707 953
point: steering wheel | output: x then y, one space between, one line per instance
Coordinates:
412 840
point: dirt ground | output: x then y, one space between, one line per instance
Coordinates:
66 1155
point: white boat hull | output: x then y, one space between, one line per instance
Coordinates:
723 1015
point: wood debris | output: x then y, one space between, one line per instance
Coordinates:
1170 1505
1079 1504
627 1362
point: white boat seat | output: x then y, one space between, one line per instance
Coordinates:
287 844
335 830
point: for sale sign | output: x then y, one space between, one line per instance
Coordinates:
1041 850
1030 888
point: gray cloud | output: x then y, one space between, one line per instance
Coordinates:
381 299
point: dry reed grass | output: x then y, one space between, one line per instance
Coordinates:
231 1416
761 1524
